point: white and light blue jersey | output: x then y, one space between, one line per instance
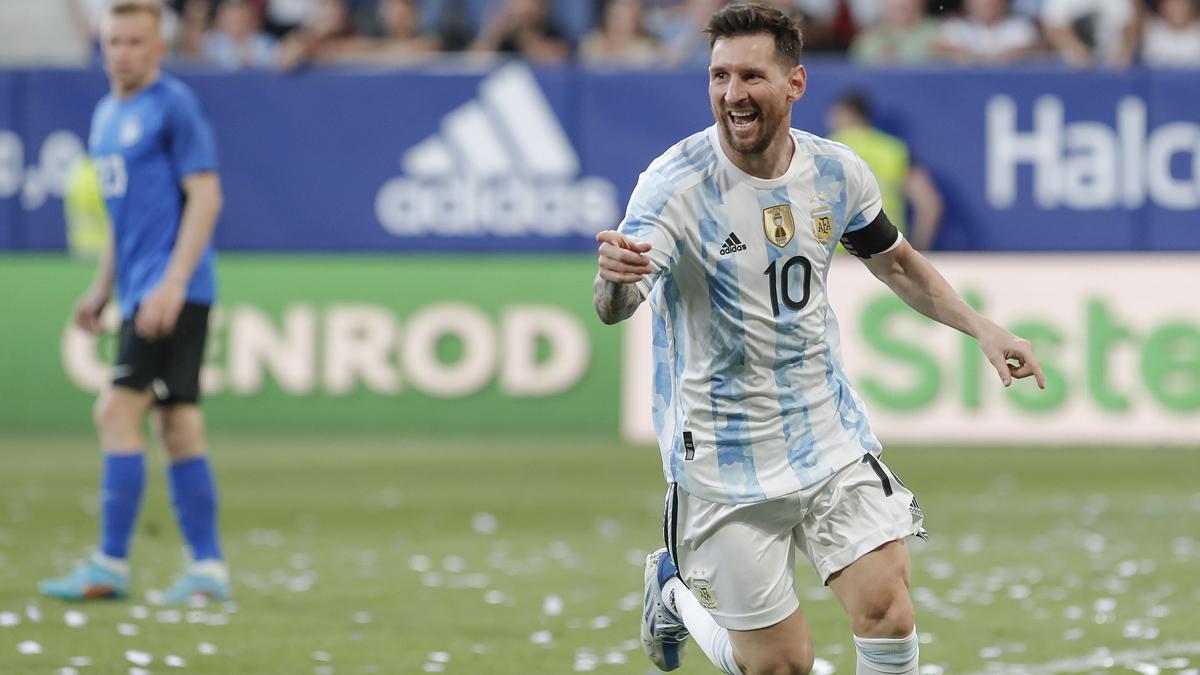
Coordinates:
143 147
751 398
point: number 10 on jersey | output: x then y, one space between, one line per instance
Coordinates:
781 287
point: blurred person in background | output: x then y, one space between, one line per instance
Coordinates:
325 36
523 28
397 37
1090 32
156 160
831 25
903 35
237 40
679 28
901 183
281 17
88 14
1171 38
621 38
988 32
196 18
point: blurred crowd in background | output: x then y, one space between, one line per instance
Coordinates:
290 34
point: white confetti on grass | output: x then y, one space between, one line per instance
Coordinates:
542 637
494 597
420 563
454 564
127 629
29 648
601 622
480 649
80 661
552 605
138 658
66 670
484 523
323 657
139 612
138 671
75 619
361 617
174 661
206 648
440 657
435 668
34 614
9 619
169 616
822 667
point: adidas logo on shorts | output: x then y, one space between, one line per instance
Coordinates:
732 244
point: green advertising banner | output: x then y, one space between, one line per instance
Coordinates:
412 345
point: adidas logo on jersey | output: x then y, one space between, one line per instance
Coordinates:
732 244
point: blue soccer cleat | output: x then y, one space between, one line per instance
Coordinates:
663 634
90 580
206 582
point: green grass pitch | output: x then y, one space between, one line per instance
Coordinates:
368 555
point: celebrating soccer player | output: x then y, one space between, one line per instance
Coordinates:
156 160
765 445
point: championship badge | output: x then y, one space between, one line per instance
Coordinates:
778 224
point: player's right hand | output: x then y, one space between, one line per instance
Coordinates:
621 258
88 311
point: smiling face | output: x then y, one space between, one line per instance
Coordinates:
752 92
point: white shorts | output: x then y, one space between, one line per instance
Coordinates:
739 560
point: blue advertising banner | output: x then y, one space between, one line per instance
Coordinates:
513 159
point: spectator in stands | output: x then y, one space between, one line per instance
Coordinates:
621 38
988 33
524 28
901 183
680 30
1086 32
284 16
831 25
325 36
237 40
195 17
905 35
399 37
1172 36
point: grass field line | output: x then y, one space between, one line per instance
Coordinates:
1131 658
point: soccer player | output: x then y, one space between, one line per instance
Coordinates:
155 156
765 445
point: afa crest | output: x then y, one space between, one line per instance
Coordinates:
822 221
704 592
778 224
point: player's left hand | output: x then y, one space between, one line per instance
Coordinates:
1000 347
159 310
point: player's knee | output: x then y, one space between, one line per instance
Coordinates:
112 416
887 615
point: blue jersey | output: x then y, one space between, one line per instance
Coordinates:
751 399
143 147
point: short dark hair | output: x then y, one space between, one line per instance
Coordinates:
857 102
755 19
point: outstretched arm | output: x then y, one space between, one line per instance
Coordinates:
917 283
622 265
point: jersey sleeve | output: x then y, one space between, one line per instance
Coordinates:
653 217
192 146
864 201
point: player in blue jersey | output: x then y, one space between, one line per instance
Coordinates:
156 160
766 447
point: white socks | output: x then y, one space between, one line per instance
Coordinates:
887 656
711 638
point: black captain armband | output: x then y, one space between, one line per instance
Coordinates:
881 235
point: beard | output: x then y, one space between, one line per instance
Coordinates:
768 128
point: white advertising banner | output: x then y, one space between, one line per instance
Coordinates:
1117 335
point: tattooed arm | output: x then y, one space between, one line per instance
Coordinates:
622 265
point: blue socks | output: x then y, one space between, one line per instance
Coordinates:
121 485
194 496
